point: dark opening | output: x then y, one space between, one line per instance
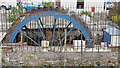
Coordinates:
80 4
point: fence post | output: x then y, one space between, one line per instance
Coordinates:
22 47
0 56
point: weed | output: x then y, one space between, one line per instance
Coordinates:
98 63
38 58
30 56
3 60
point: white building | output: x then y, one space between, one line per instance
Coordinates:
13 3
86 5
81 5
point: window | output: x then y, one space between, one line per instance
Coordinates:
80 4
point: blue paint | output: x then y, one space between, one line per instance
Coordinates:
53 34
59 15
29 38
40 30
66 35
107 38
28 8
109 32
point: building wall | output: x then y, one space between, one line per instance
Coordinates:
13 3
69 4
72 4
98 4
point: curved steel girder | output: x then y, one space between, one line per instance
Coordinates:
55 14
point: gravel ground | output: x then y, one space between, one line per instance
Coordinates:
38 58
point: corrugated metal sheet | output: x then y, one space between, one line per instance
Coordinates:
112 31
112 36
115 40
107 38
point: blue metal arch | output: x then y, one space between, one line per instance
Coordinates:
56 14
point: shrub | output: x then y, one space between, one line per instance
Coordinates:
85 13
38 58
48 3
98 63
3 60
116 19
15 13
115 14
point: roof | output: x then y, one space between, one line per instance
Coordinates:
112 31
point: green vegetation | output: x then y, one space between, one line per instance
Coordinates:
85 13
30 65
80 64
15 13
115 11
48 3
30 56
38 58
115 14
116 19
98 63
3 60
44 65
